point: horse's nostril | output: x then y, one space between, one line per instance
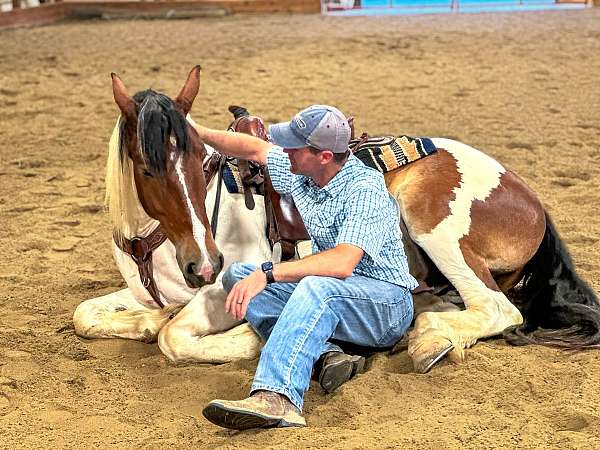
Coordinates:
191 268
221 259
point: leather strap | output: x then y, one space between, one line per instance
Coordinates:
140 250
211 166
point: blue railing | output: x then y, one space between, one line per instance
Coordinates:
379 7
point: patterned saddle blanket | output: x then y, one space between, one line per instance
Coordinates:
233 179
387 153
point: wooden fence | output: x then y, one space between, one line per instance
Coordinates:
62 10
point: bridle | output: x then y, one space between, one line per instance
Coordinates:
140 249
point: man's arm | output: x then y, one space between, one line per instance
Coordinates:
235 144
337 262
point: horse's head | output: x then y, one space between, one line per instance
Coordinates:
164 156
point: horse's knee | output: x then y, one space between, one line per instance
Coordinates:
181 345
171 340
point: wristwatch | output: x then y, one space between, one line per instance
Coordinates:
267 268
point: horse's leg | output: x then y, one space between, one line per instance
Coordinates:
119 315
197 333
488 311
427 302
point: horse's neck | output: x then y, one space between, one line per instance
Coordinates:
241 233
140 225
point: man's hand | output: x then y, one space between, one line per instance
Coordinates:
244 291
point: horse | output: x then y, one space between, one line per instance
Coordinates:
468 222
159 199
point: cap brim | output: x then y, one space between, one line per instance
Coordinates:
283 136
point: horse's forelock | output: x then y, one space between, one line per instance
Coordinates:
158 120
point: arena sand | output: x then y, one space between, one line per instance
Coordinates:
522 87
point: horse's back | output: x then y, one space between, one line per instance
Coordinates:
460 193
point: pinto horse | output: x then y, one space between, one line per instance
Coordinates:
479 226
469 223
158 200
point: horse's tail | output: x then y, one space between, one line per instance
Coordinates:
238 111
559 308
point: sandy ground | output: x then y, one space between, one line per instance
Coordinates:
523 87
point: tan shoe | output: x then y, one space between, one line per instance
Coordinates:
263 409
339 367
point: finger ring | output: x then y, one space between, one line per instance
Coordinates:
239 303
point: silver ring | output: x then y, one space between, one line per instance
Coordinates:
239 303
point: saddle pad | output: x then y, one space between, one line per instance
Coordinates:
233 180
386 153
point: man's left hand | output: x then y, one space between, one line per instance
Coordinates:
243 291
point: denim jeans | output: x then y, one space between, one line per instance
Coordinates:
297 319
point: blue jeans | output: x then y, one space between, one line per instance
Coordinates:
297 319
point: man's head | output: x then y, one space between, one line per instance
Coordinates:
316 136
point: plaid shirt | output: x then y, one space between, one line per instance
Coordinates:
355 208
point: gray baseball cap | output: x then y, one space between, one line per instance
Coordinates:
319 126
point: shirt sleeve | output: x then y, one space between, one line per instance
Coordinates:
367 220
278 165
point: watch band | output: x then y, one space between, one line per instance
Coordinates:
267 268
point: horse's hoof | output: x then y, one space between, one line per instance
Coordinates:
424 361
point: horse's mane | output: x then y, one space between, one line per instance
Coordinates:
158 118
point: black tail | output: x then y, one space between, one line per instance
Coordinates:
559 308
238 111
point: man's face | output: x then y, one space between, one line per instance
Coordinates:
304 162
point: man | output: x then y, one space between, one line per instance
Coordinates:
355 287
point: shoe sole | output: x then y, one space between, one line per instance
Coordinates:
242 419
335 375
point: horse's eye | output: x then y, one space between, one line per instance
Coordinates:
147 174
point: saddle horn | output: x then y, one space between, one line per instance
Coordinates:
238 111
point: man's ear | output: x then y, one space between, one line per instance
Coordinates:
326 156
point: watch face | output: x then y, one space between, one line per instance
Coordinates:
266 266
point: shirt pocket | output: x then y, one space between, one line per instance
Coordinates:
322 227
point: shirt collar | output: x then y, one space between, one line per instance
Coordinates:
336 184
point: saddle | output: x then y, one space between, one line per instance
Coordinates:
284 224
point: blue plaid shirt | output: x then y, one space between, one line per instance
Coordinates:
355 208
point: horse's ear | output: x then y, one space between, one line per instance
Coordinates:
188 92
122 98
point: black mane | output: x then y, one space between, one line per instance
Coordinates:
158 119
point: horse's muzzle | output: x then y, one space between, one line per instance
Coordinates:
197 274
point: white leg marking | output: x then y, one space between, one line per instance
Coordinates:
119 315
196 333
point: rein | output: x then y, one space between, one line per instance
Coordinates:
215 215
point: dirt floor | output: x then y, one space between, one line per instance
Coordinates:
520 86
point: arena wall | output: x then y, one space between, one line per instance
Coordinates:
50 13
